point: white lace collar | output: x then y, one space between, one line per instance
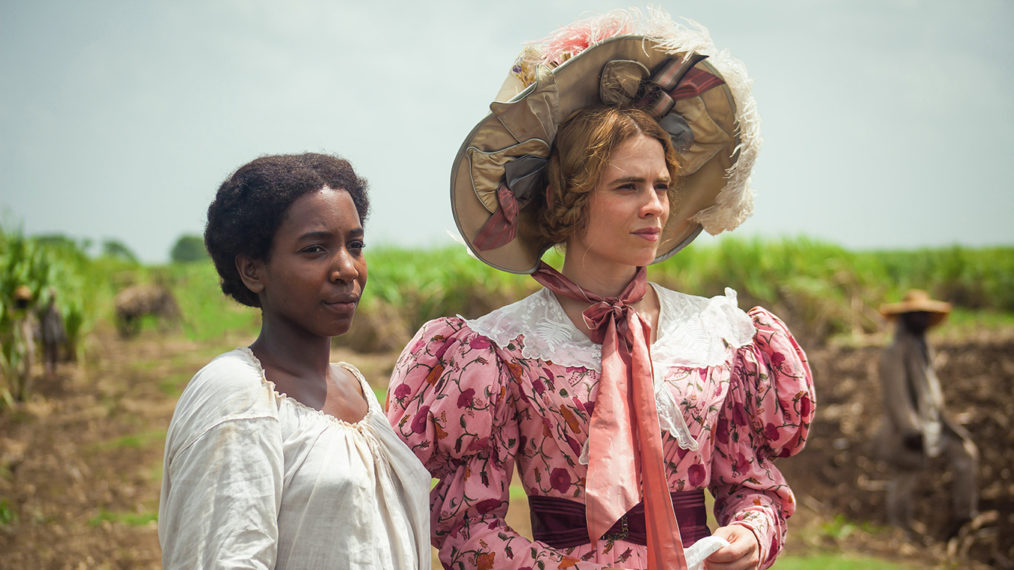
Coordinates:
694 331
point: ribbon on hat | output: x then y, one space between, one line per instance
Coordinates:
535 113
523 178
674 79
534 118
624 420
627 82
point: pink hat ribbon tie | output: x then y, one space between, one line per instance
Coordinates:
524 178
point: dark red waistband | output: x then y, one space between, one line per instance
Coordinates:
560 523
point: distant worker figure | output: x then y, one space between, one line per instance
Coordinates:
25 328
915 427
53 333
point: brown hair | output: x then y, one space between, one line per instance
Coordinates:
583 146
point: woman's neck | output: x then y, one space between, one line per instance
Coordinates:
294 355
606 281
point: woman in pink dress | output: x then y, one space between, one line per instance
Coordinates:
619 401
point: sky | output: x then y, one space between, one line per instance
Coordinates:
886 123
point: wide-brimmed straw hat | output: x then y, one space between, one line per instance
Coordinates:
700 95
22 293
917 300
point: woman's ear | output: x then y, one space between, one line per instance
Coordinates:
251 271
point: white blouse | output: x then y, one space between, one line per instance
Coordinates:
255 479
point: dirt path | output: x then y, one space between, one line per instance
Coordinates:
837 476
80 464
81 461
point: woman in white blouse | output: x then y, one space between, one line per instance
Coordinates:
276 457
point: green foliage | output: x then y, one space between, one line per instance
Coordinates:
207 313
973 279
424 284
188 248
826 552
8 515
838 528
134 440
517 492
173 384
116 249
837 561
23 263
60 241
821 290
49 265
129 519
825 290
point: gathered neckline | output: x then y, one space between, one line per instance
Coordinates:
357 425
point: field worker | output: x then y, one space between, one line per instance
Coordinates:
26 333
915 427
53 333
276 457
618 401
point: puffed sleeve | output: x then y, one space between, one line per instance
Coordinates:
222 479
451 400
766 415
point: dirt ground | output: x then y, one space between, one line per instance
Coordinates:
837 475
80 463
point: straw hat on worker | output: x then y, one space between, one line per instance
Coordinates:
917 301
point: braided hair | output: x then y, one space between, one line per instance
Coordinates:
583 147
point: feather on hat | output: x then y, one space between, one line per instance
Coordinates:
699 94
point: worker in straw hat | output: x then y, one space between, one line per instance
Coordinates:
618 401
915 427
26 330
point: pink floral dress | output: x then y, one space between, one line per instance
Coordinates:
472 398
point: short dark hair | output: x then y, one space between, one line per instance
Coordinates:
251 204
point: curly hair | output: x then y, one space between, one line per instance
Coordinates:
251 204
583 146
